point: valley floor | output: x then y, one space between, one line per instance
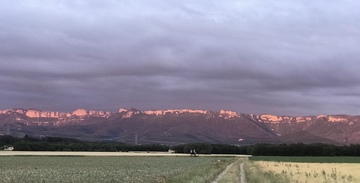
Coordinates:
37 166
136 153
40 166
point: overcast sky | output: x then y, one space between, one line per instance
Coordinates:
297 57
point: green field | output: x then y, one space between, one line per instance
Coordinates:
111 169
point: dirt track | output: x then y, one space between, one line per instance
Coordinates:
220 176
242 172
65 153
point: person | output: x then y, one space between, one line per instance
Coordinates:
192 152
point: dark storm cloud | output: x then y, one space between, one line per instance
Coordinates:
282 57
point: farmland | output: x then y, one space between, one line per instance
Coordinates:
158 167
111 168
303 169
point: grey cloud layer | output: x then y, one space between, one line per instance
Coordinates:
283 57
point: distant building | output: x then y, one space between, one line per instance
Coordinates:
9 148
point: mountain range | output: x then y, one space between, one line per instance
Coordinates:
181 126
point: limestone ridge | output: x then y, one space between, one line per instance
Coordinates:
265 118
183 125
32 113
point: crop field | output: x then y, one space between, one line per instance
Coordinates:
111 169
303 169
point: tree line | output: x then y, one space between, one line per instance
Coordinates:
68 144
204 148
298 149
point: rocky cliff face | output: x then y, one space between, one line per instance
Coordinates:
182 125
31 113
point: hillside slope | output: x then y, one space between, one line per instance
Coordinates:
182 126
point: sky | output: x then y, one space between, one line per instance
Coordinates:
297 57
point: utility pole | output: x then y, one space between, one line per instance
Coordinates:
8 130
136 139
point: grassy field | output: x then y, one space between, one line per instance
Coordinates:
303 169
111 169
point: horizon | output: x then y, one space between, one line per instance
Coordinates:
275 57
142 110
